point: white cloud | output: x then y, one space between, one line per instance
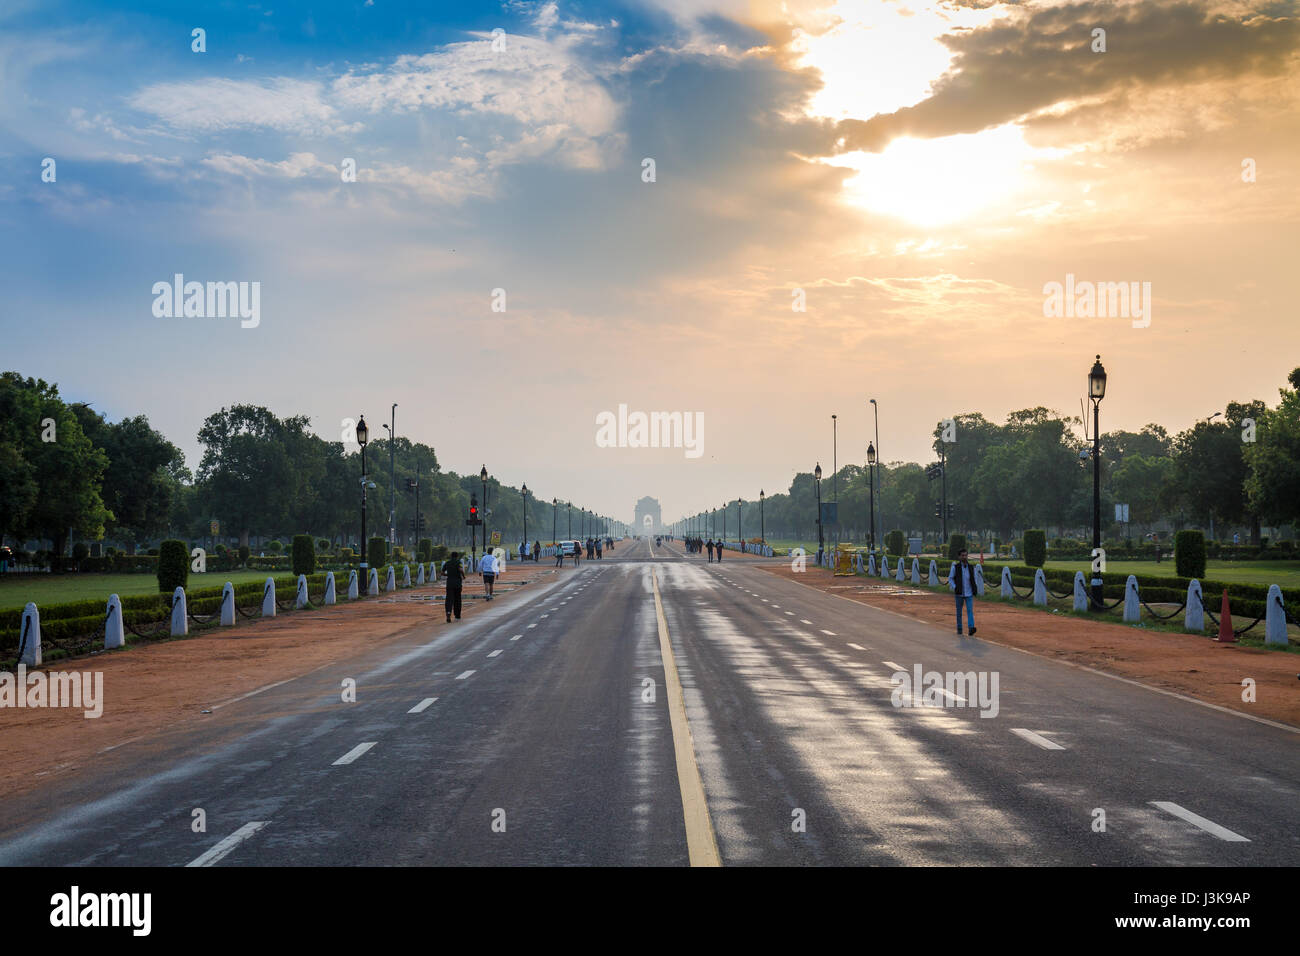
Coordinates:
215 105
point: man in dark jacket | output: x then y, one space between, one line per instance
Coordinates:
454 574
961 578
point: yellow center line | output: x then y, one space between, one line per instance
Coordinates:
701 844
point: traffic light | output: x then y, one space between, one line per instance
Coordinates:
411 524
950 509
938 509
421 525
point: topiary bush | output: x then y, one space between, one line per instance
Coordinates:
896 543
1035 548
376 552
424 550
956 543
304 558
1189 554
275 547
244 552
80 551
173 565
323 544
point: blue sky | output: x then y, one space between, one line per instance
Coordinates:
920 171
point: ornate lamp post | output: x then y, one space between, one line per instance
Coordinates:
762 517
524 492
363 437
482 477
871 471
1096 392
817 480
555 514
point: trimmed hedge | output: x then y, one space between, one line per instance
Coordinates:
173 565
244 552
304 555
424 550
377 552
956 543
1035 548
1189 554
896 543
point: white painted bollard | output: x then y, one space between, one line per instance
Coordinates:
933 578
419 574
979 580
898 573
390 582
180 620
1132 601
433 572
31 643
228 605
1194 617
1275 618
1080 592
114 635
374 581
916 570
859 566
1006 591
871 564
406 575
1040 587
354 589
300 598
268 599
331 597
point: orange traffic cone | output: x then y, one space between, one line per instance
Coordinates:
1225 623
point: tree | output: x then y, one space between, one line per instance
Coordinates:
1140 482
1209 473
1273 459
138 486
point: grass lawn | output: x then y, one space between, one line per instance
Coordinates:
1285 574
15 592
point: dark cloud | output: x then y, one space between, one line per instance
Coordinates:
1030 62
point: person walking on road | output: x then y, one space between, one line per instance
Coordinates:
961 578
718 547
709 545
600 549
537 550
487 567
454 574
559 555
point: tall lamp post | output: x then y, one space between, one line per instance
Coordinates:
482 477
569 516
363 436
875 408
871 491
740 518
392 477
524 492
762 517
835 467
555 514
817 480
1096 392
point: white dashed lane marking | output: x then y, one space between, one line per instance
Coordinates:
354 753
804 620
1209 826
824 631
223 848
463 675
857 647
1037 739
495 653
422 705
516 637
531 626
892 665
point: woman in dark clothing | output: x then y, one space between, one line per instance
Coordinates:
454 574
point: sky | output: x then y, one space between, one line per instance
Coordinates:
759 214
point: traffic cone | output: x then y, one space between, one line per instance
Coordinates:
1225 623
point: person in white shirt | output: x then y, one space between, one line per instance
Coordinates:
961 579
487 566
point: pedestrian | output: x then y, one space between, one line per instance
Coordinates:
577 552
454 574
719 548
559 555
961 578
600 549
709 545
487 566
537 550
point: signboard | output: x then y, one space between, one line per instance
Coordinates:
1121 513
496 537
830 512
216 526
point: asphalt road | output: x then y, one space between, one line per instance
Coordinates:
541 732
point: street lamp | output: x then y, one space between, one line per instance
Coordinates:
482 477
524 491
871 491
1096 392
363 437
569 505
555 514
876 414
762 517
821 540
740 517
392 477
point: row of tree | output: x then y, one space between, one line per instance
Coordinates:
1240 467
67 474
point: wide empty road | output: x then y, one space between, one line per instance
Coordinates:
542 731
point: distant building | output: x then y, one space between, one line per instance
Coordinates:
648 508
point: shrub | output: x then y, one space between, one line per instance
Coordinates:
1189 554
896 543
1035 548
243 554
376 552
173 565
304 558
425 550
275 547
322 544
440 553
80 551
956 543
